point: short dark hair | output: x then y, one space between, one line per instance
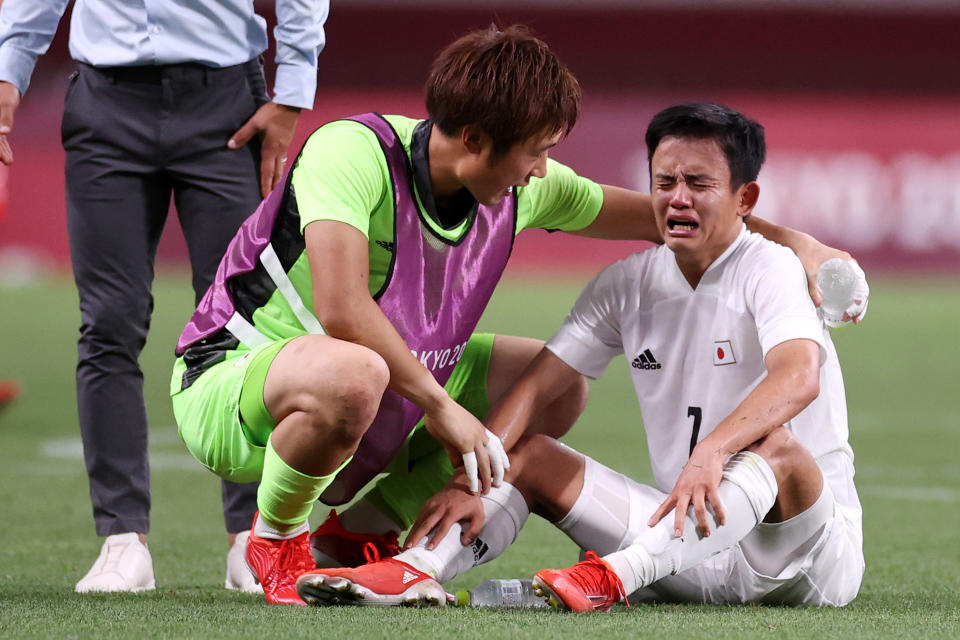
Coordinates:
507 82
741 139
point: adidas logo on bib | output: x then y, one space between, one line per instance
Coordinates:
645 360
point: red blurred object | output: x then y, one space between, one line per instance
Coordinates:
9 391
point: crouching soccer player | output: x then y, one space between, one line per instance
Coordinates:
742 401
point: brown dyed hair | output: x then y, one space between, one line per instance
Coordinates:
507 82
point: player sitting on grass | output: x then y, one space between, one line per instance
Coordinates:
742 400
341 318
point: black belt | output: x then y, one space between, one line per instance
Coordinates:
155 73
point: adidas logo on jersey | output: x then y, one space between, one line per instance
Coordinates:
645 361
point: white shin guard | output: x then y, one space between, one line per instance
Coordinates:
747 491
505 513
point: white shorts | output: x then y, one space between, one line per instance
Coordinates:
826 572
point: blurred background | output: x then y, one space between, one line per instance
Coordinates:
860 100
861 104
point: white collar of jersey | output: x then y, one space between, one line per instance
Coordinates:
740 239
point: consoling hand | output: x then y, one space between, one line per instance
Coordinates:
812 255
9 101
275 124
454 503
466 439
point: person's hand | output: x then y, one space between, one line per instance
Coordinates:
845 293
812 255
9 101
697 485
454 503
482 453
275 124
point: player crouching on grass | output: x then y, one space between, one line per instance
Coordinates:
742 400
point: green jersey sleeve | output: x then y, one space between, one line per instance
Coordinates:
340 175
560 200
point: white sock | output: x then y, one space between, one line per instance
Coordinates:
262 530
606 509
747 492
363 517
505 512
772 547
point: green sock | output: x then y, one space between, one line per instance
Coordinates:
286 496
401 495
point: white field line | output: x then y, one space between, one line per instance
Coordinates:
944 418
927 494
907 474
163 438
167 439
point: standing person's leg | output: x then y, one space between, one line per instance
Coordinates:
215 190
116 208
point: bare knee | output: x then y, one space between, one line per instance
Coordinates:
799 480
783 451
336 385
353 392
547 473
531 451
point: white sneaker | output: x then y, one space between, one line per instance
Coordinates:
239 576
124 564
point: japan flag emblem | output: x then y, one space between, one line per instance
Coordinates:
723 353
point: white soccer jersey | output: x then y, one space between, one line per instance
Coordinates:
695 354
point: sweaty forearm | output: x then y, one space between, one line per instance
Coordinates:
341 300
777 399
542 382
803 244
510 418
363 323
624 215
796 240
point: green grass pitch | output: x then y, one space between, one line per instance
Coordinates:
901 370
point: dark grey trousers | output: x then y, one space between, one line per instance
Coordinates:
134 136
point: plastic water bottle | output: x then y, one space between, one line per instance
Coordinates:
501 593
836 280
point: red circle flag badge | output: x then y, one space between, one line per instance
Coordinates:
723 353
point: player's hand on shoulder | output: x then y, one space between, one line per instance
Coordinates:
814 255
844 292
454 503
696 487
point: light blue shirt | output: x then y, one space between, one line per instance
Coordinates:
216 33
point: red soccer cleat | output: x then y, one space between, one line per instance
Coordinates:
591 585
385 583
9 390
334 546
277 564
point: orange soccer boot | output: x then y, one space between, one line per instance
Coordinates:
591 585
385 583
334 546
278 563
